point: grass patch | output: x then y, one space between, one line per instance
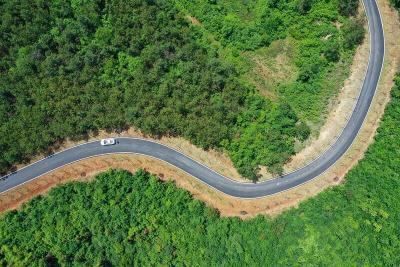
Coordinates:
272 67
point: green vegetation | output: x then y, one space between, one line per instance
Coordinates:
123 220
71 68
318 33
348 7
395 3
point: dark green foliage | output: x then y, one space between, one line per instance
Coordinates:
121 219
260 144
353 32
303 131
308 72
73 68
348 7
332 53
304 6
395 3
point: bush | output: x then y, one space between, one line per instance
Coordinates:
332 53
353 33
308 72
304 6
348 7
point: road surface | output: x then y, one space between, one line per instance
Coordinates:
212 178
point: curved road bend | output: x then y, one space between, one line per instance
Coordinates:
210 177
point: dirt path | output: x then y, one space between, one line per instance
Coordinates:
229 206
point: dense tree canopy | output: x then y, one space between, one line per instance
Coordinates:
121 219
70 68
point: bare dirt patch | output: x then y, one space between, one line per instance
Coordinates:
193 20
230 206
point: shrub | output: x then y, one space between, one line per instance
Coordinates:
353 33
348 7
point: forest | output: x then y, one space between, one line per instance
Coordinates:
123 219
71 68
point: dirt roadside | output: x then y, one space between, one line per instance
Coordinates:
229 206
340 109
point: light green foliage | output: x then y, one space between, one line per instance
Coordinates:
258 143
121 219
311 27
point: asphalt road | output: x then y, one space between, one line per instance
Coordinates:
212 178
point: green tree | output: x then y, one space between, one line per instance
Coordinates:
354 33
348 7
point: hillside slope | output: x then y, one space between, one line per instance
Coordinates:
123 219
73 68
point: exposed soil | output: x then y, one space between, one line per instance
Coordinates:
229 206
193 20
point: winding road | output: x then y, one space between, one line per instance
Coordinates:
212 178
